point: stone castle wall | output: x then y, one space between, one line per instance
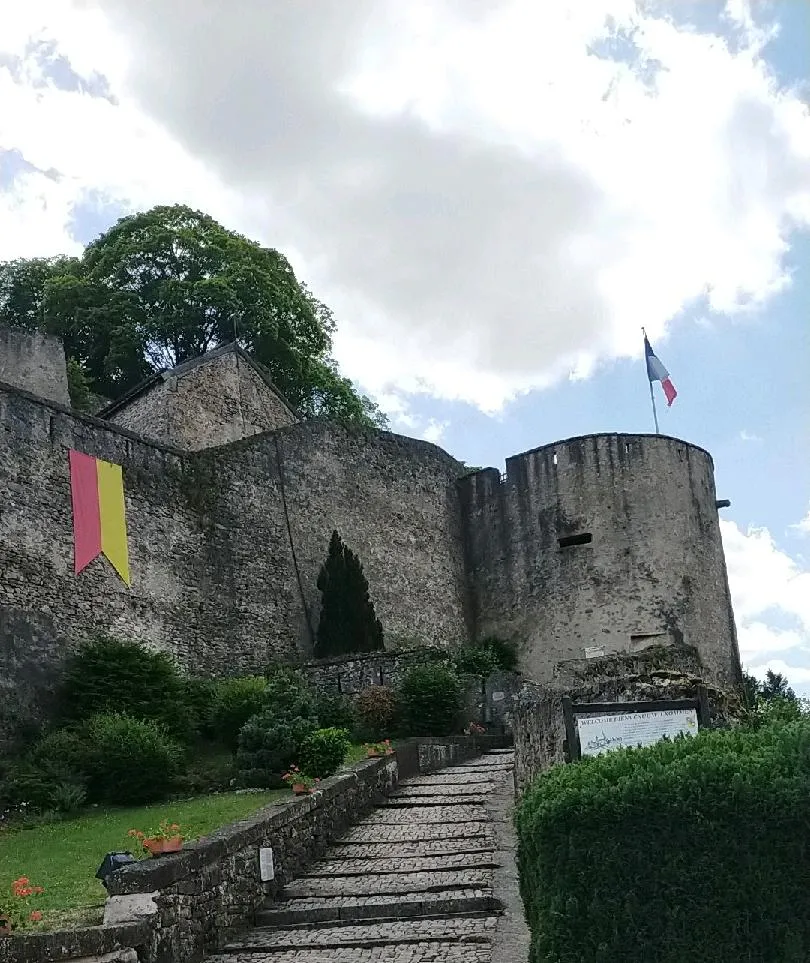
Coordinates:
225 545
35 362
601 543
197 406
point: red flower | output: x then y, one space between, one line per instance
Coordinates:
36 916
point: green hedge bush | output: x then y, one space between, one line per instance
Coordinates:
431 698
129 761
235 701
108 676
376 710
268 744
697 848
323 751
335 711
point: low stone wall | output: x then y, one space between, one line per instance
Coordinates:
487 701
538 724
111 944
349 674
178 908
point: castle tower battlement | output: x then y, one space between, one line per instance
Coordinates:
597 545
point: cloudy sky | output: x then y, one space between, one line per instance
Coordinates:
494 196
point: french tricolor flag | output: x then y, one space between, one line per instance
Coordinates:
657 372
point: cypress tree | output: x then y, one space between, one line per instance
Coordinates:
348 622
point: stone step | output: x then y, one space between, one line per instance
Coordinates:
394 815
450 778
398 906
408 850
368 934
413 864
432 790
407 802
420 832
401 953
434 881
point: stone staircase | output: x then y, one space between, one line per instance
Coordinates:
411 883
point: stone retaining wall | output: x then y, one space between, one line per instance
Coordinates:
538 724
178 908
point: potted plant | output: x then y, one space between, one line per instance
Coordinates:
300 783
384 748
474 729
19 915
167 838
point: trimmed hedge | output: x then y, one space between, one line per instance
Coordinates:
697 848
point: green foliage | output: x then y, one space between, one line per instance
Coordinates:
131 761
288 694
505 653
207 772
323 752
335 711
268 744
112 677
431 697
53 767
377 711
163 286
666 852
489 655
348 622
199 697
235 701
772 700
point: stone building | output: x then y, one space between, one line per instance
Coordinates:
596 544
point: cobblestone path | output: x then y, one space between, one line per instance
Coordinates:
428 877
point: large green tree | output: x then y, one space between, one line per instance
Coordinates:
166 285
348 622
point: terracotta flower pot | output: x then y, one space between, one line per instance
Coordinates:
157 847
300 789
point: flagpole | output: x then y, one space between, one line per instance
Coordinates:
652 394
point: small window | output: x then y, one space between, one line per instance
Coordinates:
554 458
568 541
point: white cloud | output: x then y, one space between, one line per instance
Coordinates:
486 197
434 430
771 597
749 436
804 525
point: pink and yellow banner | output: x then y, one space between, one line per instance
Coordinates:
99 519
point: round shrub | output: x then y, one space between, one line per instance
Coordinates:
323 752
125 678
131 761
376 709
51 771
235 701
431 700
335 712
288 694
268 744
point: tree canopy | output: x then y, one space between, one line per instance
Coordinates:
166 285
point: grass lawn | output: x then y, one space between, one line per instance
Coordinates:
63 857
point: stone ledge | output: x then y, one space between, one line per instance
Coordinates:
156 874
90 942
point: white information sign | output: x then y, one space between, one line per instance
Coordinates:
619 730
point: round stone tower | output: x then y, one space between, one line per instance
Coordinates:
599 545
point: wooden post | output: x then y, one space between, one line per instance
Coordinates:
571 741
